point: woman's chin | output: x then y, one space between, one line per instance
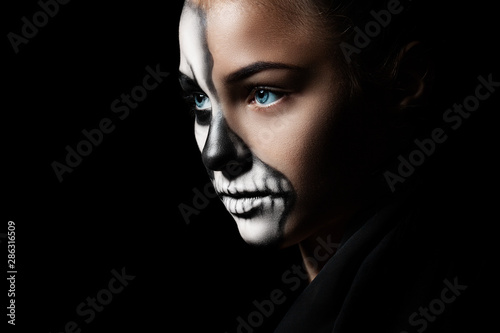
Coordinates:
260 231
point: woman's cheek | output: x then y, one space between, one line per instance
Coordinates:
200 134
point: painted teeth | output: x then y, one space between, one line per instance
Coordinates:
239 206
251 187
243 205
272 184
284 186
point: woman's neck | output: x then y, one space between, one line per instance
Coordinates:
317 249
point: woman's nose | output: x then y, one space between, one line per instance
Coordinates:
224 150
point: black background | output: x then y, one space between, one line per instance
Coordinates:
119 208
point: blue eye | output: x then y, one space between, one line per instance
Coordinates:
202 102
266 97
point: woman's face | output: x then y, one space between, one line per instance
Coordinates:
271 120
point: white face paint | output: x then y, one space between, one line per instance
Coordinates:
258 200
193 57
256 195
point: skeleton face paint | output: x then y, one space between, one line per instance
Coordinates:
257 196
259 200
267 120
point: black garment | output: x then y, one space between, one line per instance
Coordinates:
423 263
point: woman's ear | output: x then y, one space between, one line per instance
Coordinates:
414 75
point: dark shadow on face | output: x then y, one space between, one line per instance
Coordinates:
249 69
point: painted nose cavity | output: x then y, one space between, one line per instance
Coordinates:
224 151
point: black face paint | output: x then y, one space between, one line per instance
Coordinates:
193 92
253 192
208 58
224 151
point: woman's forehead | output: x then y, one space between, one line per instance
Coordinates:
233 36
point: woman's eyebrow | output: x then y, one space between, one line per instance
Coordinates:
256 67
